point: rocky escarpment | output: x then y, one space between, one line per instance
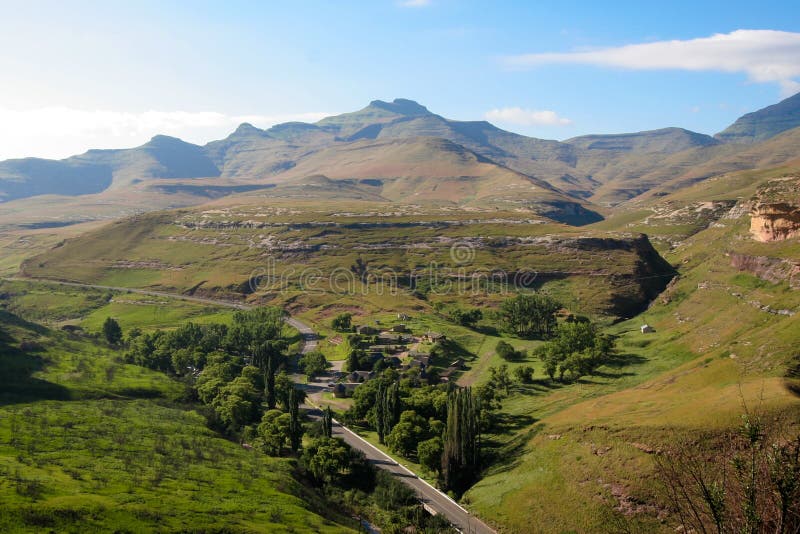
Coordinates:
775 210
773 270
775 222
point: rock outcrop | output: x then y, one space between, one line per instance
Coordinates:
775 222
773 270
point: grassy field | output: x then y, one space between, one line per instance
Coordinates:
89 443
58 305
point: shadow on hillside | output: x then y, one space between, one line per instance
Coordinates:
504 457
17 385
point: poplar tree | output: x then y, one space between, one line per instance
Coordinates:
460 457
327 422
295 426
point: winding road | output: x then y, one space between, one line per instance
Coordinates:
433 499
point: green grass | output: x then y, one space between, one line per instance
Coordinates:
86 307
91 444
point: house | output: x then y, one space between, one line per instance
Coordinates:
360 376
458 364
421 360
647 329
387 338
402 316
366 330
345 389
433 337
400 328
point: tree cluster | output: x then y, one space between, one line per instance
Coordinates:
468 318
577 350
530 316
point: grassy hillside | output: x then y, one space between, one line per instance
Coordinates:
301 253
580 457
88 442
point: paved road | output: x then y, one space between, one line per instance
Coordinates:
430 496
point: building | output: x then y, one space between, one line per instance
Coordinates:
366 330
344 389
647 329
399 328
360 376
433 337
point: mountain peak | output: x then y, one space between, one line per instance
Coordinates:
401 106
247 129
164 141
765 123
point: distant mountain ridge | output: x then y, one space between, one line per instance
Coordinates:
371 144
765 123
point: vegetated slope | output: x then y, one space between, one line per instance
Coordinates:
764 123
82 448
725 341
435 170
669 218
227 247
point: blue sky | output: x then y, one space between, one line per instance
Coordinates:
111 74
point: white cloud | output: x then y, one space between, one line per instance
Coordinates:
414 3
58 132
766 56
526 117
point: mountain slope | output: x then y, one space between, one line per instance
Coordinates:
97 170
764 123
663 141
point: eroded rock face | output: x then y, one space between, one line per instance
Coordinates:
775 211
770 269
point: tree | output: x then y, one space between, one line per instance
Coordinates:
326 458
529 316
253 328
499 379
354 360
327 422
112 331
407 433
273 432
237 403
468 318
429 453
283 389
578 349
313 363
342 322
461 448
295 425
524 374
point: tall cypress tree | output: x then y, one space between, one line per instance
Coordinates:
380 412
461 458
391 408
327 422
295 426
269 381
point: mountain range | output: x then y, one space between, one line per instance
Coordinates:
401 152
